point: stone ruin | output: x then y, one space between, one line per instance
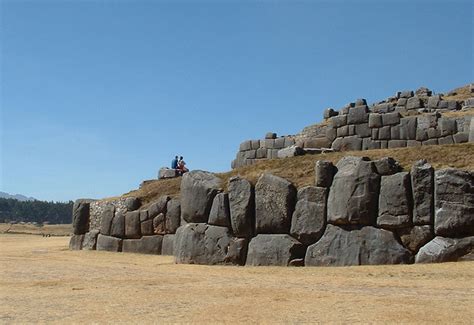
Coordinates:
357 212
408 119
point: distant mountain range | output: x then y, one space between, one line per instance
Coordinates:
18 197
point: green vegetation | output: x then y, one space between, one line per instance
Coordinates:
12 210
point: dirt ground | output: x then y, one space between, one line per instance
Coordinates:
42 281
28 229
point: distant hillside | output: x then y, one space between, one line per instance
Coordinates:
19 197
13 210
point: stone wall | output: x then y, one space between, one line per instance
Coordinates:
357 212
408 119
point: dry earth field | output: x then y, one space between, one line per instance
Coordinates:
42 281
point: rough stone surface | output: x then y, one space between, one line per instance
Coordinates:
270 135
106 220
369 246
144 245
198 189
308 221
391 119
167 245
324 171
414 103
352 143
158 206
312 194
90 240
338 121
165 172
241 204
422 179
442 249
394 201
357 115
118 225
353 196
132 224
292 151
146 228
159 224
80 216
220 212
199 243
274 204
387 166
173 215
75 243
415 237
454 203
274 250
132 203
375 120
108 243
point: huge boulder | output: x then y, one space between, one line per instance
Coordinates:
274 250
108 243
144 245
198 189
395 201
422 180
274 204
309 219
118 225
80 216
132 224
107 216
90 240
242 206
173 216
167 245
369 245
454 203
442 249
324 171
220 213
353 196
199 243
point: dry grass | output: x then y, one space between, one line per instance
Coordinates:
43 282
28 229
300 170
462 93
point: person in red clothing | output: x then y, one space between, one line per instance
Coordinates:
182 166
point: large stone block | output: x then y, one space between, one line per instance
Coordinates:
363 130
353 196
106 219
447 126
318 142
395 201
118 225
220 212
198 189
338 121
397 143
324 171
391 119
292 151
405 94
90 240
80 216
166 172
408 128
132 224
167 245
274 250
108 243
446 140
384 133
274 204
427 121
199 243
442 249
159 224
313 194
158 206
146 228
279 143
308 221
144 245
454 203
75 243
422 179
173 216
246 145
358 115
352 143
242 206
270 135
132 203
414 103
369 246
387 166
375 120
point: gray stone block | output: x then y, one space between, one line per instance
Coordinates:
397 143
80 216
132 224
415 237
391 118
261 153
279 143
337 144
251 154
144 245
352 143
383 144
361 102
426 121
166 172
357 115
405 94
90 240
242 206
220 212
363 130
433 102
338 121
375 120
255 144
329 112
118 225
421 135
395 132
422 179
408 128
331 134
75 243
246 145
292 151
447 126
173 215
446 140
312 194
442 249
351 130
402 102
274 250
433 133
270 135
289 142
387 166
167 245
146 227
414 103
308 221
343 131
394 201
375 134
324 172
108 243
143 215
106 219
269 143
430 142
413 143
461 137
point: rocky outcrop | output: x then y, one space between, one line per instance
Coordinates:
274 250
274 204
198 189
339 247
353 196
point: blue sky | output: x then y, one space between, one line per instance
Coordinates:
97 95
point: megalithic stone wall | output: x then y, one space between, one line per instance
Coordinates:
358 212
408 119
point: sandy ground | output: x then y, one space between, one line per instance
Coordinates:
41 281
28 229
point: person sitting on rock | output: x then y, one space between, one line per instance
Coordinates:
182 166
174 163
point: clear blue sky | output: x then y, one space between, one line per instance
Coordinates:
97 95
